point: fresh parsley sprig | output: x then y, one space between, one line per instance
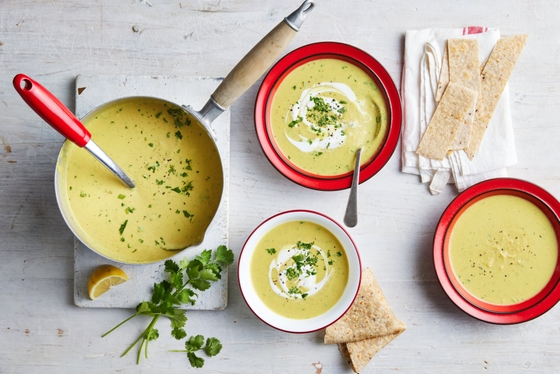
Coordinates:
168 295
195 343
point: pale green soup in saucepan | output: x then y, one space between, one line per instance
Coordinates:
503 249
178 176
323 111
299 269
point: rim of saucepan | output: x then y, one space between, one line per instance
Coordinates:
285 324
496 314
309 53
64 208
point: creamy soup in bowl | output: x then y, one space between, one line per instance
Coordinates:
496 251
299 271
320 104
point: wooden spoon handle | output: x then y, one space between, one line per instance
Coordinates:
259 59
253 65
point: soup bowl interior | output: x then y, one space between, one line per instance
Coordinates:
347 54
515 312
283 323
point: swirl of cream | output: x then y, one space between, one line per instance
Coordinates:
305 281
331 136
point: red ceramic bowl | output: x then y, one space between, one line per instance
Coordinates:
498 314
304 55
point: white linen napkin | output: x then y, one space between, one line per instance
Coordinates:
422 63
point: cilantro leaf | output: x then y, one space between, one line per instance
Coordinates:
200 284
187 296
205 256
194 343
196 362
178 333
224 255
209 275
212 347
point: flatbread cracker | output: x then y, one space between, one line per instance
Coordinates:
360 353
370 316
464 63
464 68
494 77
451 113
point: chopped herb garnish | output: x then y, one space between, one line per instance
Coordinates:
123 226
271 250
153 167
188 215
295 122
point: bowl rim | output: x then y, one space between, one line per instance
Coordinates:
514 313
304 325
361 59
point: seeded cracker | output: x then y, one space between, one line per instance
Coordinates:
360 353
368 326
494 77
451 112
464 68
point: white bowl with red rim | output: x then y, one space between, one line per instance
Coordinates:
291 325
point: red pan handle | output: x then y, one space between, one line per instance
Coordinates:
49 108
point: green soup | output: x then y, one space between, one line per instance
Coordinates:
323 111
299 269
503 249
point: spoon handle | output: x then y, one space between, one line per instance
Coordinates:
56 114
260 58
52 110
351 215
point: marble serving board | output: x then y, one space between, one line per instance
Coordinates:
92 91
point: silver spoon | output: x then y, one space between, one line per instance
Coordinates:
55 113
351 215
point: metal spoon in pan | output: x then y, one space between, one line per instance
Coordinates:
56 114
351 215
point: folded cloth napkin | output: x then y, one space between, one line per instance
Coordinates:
423 57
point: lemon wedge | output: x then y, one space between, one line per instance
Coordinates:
103 278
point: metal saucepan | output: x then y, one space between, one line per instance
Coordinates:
191 125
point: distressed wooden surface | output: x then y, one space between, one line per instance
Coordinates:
41 330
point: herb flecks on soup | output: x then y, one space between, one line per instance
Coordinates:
178 176
503 249
299 269
323 111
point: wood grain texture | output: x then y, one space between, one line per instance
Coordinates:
55 40
255 63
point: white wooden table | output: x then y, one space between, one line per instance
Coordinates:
54 41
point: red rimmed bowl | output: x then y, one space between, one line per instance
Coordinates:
251 291
460 291
304 55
